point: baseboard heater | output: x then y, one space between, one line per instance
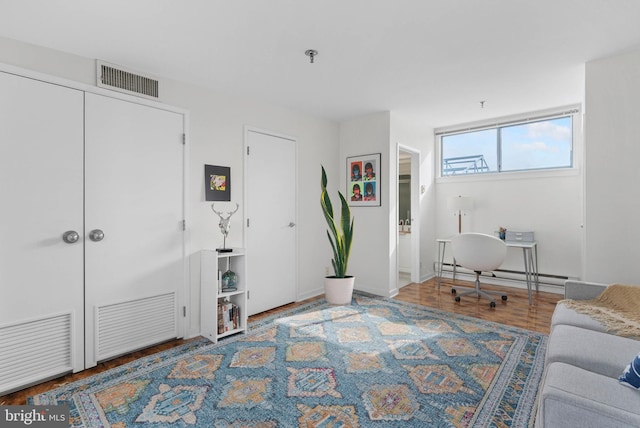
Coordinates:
511 275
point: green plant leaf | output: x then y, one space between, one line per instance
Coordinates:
340 233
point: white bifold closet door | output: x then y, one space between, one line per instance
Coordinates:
91 228
134 247
41 276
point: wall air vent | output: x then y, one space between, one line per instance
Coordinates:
119 79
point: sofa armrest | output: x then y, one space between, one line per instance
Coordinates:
575 398
582 290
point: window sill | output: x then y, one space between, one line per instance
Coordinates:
514 175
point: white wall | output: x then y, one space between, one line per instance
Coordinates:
217 122
612 115
373 258
216 137
48 61
550 203
418 138
361 136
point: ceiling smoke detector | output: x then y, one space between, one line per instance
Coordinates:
311 53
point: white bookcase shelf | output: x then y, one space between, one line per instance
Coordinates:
212 266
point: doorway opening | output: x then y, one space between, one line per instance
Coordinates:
407 218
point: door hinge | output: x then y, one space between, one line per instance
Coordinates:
248 292
247 222
184 225
184 139
247 150
184 311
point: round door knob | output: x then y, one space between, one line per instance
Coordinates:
96 235
70 236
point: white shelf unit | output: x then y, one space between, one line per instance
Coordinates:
212 262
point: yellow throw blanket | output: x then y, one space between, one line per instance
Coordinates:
617 308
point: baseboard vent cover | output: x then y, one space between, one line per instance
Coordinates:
35 350
120 79
135 324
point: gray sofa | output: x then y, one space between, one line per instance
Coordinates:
580 385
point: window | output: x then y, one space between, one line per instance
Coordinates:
541 143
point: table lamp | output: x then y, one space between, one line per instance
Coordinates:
460 204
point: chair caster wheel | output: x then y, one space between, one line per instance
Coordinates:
453 291
457 298
492 304
504 297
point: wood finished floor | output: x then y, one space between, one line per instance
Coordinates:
515 312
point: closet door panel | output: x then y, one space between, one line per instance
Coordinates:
134 196
41 276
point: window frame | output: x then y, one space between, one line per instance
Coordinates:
572 111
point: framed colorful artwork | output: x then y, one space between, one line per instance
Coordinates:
363 180
217 183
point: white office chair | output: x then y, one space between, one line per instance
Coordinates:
480 253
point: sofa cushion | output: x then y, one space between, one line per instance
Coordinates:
631 375
573 397
563 315
598 352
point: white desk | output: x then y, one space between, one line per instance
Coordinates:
529 252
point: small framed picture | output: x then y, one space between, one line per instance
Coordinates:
363 180
217 183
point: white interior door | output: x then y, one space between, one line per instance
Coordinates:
134 196
41 276
270 195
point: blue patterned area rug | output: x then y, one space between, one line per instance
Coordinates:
375 363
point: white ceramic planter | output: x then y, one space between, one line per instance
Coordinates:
338 291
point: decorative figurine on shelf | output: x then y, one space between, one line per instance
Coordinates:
502 232
224 225
229 281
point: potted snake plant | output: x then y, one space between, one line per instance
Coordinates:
338 289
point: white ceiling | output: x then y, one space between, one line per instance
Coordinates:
431 61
